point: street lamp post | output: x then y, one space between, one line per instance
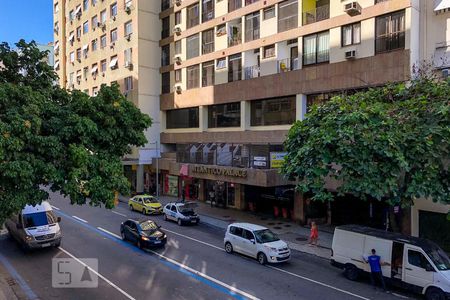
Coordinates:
157 167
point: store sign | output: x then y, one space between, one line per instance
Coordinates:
220 171
259 158
258 163
277 159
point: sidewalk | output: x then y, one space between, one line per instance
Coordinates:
9 288
294 235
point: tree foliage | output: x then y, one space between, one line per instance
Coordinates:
66 141
390 143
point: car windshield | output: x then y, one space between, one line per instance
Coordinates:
150 200
440 259
39 219
265 236
148 225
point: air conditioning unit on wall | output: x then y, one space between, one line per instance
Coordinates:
350 54
352 8
177 88
177 59
176 29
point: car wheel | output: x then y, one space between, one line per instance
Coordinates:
262 259
434 294
57 244
122 235
165 217
143 211
131 207
351 272
179 222
228 248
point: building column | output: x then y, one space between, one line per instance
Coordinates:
300 102
245 115
203 117
299 208
140 178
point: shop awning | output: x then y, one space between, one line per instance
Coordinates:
71 36
56 66
78 10
113 62
441 5
94 69
56 46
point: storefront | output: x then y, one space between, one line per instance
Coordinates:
220 193
272 201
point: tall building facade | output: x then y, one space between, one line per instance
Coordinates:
236 74
113 41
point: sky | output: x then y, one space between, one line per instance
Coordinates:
26 19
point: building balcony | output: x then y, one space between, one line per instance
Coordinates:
287 64
316 15
251 72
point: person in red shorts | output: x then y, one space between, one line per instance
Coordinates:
314 235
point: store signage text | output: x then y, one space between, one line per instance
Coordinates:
219 171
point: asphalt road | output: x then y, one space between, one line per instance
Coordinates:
192 265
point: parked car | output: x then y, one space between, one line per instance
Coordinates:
182 213
414 263
35 227
257 242
146 204
144 233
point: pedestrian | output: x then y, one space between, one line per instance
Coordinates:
211 197
314 235
375 263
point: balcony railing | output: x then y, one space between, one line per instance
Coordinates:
234 40
318 14
287 64
379 1
390 42
234 75
251 72
252 34
316 57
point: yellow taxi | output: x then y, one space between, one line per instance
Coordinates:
146 204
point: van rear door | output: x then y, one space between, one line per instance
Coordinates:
415 265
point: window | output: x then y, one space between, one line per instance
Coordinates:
113 9
390 32
78 32
94 45
128 28
208 73
165 83
85 27
165 32
417 259
234 67
193 77
85 72
207 10
85 50
94 22
113 62
234 4
235 32
79 54
177 47
248 235
72 57
128 55
252 27
113 35
269 51
94 2
287 15
71 15
236 231
94 70
316 48
56 8
178 75
128 4
351 34
128 83
224 115
165 55
103 16
94 91
178 18
192 15
71 78
277 111
221 63
182 118
165 4
85 5
192 44
208 41
78 11
269 13
56 27
103 41
103 66
221 30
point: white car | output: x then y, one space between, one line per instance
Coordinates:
257 242
182 213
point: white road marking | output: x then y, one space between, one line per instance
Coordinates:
80 219
54 207
192 239
110 233
400 296
118 213
99 275
319 283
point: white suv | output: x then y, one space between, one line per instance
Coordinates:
257 242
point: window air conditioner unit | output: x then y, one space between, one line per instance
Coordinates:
350 54
128 65
112 46
177 2
352 8
445 73
78 59
128 37
101 25
177 88
177 59
177 29
128 9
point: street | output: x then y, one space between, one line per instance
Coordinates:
192 265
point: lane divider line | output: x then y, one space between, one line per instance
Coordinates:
216 284
98 274
118 213
80 219
193 239
54 207
109 232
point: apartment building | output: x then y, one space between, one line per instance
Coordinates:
113 41
237 73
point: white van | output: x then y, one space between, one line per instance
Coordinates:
414 263
35 227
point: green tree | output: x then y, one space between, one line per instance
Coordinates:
66 141
390 143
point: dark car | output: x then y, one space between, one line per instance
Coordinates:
144 233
